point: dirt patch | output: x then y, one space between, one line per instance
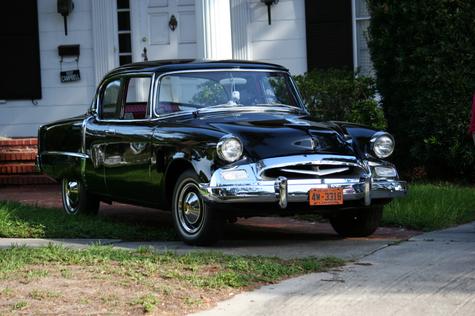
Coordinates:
104 280
89 290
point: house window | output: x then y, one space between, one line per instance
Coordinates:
124 33
361 56
20 51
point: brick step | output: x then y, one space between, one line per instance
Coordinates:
19 142
17 155
18 168
25 179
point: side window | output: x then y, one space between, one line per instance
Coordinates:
110 104
136 98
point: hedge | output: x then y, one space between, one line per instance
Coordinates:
424 58
339 95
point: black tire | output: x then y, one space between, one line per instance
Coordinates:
196 222
76 199
357 223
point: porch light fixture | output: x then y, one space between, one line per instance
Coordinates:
269 3
65 7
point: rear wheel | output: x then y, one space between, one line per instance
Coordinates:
196 222
357 223
76 199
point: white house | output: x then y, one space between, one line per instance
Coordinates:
303 34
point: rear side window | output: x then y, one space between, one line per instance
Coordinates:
110 100
126 99
136 98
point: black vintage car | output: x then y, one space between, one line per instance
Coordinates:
216 140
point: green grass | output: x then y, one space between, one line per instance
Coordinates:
197 269
432 206
25 221
148 302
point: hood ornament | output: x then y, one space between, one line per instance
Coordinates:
315 144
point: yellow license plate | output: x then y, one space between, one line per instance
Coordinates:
332 196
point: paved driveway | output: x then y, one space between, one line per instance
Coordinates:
270 236
431 274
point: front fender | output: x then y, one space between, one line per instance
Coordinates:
360 136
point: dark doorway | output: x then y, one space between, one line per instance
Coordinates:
329 34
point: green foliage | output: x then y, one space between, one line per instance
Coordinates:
424 57
210 93
339 95
432 206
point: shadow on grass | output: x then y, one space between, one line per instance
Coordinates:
19 220
25 221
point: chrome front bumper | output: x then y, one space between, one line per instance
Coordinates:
284 191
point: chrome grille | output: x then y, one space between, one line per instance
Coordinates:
312 171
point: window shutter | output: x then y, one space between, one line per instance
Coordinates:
19 53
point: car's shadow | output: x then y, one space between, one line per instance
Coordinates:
257 228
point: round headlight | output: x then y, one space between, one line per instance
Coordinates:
229 148
382 145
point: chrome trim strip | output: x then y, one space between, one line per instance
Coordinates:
83 144
317 173
66 153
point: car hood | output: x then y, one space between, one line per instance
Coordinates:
266 134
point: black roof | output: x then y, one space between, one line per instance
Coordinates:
193 64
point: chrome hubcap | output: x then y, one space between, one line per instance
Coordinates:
190 209
71 191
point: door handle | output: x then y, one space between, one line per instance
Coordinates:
110 131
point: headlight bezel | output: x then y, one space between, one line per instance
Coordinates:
375 139
221 148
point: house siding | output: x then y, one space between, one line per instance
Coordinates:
59 100
284 41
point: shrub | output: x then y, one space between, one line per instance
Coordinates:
339 95
424 57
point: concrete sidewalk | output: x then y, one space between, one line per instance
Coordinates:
351 249
431 274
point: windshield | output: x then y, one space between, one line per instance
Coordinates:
198 90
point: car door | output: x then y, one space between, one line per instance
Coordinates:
121 138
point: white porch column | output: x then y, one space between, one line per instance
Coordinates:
239 25
213 19
103 33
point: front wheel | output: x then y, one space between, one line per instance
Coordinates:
357 223
196 222
76 199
